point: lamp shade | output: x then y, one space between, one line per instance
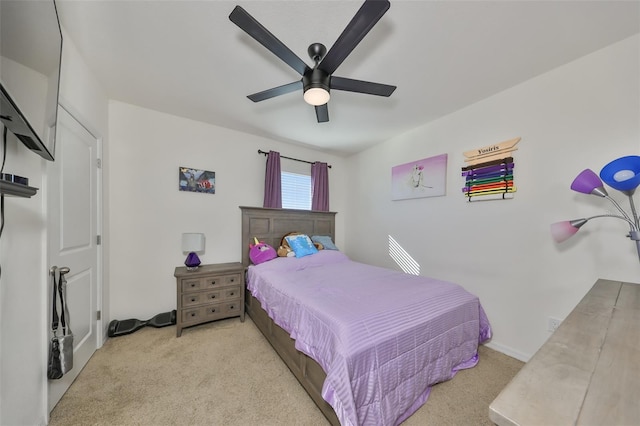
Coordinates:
192 242
622 174
588 182
562 231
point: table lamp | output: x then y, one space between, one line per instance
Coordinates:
192 243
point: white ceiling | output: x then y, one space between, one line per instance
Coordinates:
188 59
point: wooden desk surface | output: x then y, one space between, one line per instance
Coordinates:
588 372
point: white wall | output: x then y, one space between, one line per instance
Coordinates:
581 115
149 214
23 289
21 297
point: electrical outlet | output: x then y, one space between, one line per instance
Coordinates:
553 324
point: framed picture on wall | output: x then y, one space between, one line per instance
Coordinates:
420 178
196 180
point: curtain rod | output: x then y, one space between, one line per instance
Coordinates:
289 158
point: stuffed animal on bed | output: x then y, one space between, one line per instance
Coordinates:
285 250
261 252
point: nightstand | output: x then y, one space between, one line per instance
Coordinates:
209 293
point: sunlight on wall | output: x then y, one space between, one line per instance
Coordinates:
402 258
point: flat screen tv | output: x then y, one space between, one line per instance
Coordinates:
30 57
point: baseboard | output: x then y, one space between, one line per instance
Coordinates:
509 351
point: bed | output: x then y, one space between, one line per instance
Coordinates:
366 343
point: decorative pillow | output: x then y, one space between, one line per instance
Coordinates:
285 250
301 245
325 240
283 241
261 252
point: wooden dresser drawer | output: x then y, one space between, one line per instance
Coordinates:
199 298
205 283
211 312
207 297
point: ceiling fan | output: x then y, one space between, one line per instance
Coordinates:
317 82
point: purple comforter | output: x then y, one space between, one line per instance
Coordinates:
382 337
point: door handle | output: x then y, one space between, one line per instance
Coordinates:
64 270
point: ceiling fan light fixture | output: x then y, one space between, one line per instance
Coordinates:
316 96
317 82
316 85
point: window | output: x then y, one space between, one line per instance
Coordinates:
296 191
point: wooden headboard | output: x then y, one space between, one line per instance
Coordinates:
270 225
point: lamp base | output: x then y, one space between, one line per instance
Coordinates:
192 261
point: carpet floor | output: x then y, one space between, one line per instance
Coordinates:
226 373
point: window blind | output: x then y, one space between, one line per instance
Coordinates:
296 191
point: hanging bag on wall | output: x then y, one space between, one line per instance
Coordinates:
66 340
54 367
61 347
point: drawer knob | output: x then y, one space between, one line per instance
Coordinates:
192 285
232 293
193 299
193 314
213 310
213 282
233 279
213 296
232 307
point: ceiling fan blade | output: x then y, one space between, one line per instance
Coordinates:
276 91
359 86
365 18
248 24
322 113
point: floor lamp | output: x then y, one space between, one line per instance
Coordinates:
622 174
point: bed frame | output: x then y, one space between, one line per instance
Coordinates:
270 225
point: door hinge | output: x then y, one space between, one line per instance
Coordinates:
98 239
99 162
98 315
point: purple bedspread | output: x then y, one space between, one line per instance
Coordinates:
382 337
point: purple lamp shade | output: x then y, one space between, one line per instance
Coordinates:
562 231
622 174
588 182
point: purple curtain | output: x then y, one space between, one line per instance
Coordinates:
272 182
320 186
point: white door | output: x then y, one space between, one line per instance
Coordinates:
72 216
